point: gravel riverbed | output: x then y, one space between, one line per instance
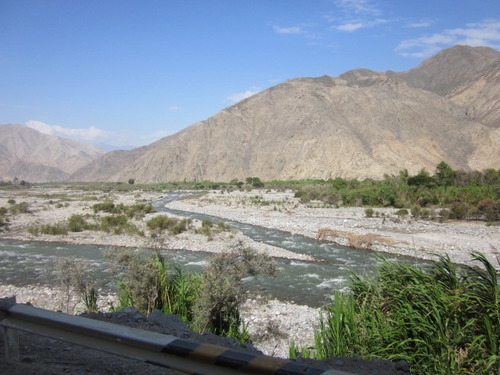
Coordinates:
273 323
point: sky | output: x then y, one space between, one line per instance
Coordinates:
125 73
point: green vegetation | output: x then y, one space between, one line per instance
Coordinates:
443 320
174 226
464 195
136 210
210 301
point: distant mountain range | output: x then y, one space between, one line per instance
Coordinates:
362 124
27 154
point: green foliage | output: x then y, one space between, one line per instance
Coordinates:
117 224
163 222
255 182
468 195
369 212
54 230
76 223
218 307
148 283
131 181
206 302
441 321
136 210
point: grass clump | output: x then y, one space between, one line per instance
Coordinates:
441 321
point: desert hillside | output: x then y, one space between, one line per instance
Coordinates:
361 124
27 154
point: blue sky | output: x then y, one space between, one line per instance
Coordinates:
126 73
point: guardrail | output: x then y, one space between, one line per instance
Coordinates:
163 350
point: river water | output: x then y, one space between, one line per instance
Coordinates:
311 283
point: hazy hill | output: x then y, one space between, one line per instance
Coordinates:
32 156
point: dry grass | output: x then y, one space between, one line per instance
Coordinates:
359 241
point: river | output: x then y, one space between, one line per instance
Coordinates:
311 283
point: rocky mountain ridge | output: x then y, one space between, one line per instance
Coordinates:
361 124
27 154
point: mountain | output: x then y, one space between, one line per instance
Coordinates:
361 124
468 76
32 156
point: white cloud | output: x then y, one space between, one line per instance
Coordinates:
289 30
486 33
359 6
235 98
353 26
349 27
90 134
174 108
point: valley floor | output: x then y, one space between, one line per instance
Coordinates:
277 210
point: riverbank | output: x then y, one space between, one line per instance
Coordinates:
275 323
387 233
56 205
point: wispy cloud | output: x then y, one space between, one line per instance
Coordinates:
353 26
174 108
359 7
124 139
486 33
89 134
289 30
356 15
420 24
235 98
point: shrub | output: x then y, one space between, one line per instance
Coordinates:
369 212
401 212
442 321
54 230
74 276
76 223
459 210
218 307
22 207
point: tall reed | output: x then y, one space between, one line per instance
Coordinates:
444 320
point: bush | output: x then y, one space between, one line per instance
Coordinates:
174 226
402 212
218 307
76 223
369 212
442 321
54 230
459 210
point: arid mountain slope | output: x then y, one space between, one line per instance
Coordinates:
360 124
109 166
466 75
35 157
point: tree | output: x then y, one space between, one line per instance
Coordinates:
131 181
445 175
423 178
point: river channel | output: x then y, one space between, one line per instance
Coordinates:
311 283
